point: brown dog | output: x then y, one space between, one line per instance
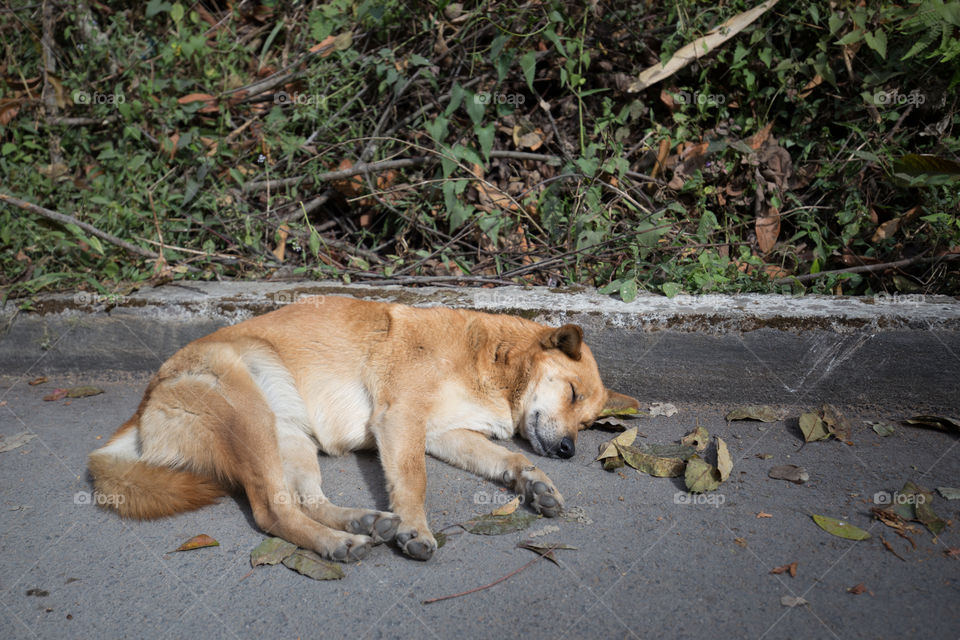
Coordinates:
250 404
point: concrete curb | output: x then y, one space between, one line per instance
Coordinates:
701 348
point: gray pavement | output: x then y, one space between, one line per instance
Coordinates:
648 562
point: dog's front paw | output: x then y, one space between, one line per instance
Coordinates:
415 543
539 492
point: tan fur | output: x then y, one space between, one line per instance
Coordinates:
249 405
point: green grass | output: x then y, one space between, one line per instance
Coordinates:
803 118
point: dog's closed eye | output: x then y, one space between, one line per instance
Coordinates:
573 392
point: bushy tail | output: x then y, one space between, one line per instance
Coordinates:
137 489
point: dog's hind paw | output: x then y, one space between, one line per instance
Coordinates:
416 545
379 525
350 550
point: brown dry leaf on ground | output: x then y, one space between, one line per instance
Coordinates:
858 589
762 413
312 565
789 472
197 542
767 228
508 508
787 568
699 438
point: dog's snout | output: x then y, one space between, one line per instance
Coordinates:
567 448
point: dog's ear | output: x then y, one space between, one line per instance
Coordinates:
618 401
567 338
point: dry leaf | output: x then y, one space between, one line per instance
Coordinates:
886 230
197 542
790 473
724 461
15 441
271 551
857 590
787 568
763 514
36 381
762 413
699 47
508 508
699 438
313 566
767 228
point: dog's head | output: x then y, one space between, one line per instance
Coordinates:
564 393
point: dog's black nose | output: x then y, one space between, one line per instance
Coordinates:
566 448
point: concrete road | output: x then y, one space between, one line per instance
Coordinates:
650 561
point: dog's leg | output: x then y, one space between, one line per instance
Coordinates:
474 452
400 438
301 471
243 426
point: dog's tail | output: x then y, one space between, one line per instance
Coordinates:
138 489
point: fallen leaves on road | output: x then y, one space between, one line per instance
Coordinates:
920 501
508 508
701 476
83 391
760 413
950 493
764 514
825 422
840 528
812 427
271 551
787 568
789 472
16 440
313 566
274 551
625 411
197 542
724 461
882 428
494 525
38 380
935 422
545 549
662 409
857 590
891 549
793 601
699 438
